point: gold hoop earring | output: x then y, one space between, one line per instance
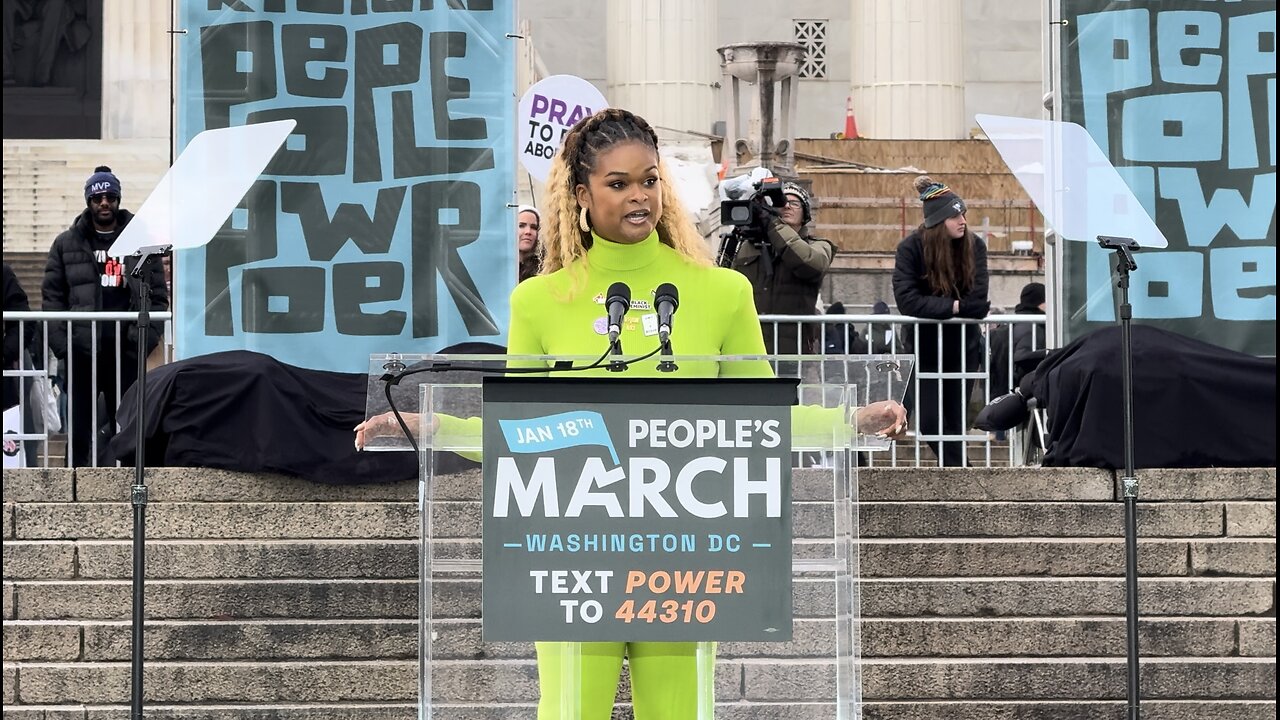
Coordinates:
582 221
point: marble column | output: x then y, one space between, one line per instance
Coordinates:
908 68
662 61
135 69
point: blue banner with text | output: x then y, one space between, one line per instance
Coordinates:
383 224
1181 96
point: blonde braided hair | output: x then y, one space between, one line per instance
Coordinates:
563 242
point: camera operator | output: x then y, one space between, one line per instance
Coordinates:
785 265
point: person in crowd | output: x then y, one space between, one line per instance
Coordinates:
1028 343
528 223
882 334
22 348
842 338
940 272
613 216
167 261
15 299
786 270
81 277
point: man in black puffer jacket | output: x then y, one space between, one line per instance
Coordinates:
81 277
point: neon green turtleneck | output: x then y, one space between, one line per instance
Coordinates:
563 313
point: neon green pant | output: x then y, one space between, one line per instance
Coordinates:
664 679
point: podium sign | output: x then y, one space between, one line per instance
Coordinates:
634 509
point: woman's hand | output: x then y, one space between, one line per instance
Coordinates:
385 425
885 418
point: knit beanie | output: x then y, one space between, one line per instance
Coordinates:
798 190
1032 296
102 181
939 201
529 208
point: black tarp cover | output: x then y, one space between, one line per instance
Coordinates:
241 410
1195 404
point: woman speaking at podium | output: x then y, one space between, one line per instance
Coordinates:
613 216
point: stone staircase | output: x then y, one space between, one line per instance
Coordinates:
866 203
986 594
44 183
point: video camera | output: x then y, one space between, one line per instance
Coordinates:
737 210
743 196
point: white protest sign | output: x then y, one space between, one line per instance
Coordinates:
547 111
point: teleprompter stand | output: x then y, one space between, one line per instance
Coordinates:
184 210
1083 197
1125 264
138 493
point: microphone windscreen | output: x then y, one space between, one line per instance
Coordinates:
619 292
667 291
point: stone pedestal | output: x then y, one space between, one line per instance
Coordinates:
762 143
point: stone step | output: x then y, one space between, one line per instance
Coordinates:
935 710
191 640
879 558
232 521
195 640
890 598
228 599
1062 484
875 484
768 681
1065 519
1048 710
392 519
189 484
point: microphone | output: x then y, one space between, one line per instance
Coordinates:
617 303
666 299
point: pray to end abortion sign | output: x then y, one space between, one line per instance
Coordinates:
547 111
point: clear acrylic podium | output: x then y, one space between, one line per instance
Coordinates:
815 662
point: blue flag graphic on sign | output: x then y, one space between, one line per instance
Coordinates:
556 432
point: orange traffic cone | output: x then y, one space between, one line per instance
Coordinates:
850 125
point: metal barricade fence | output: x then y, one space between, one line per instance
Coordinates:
833 337
37 360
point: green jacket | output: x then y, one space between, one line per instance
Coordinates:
799 263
